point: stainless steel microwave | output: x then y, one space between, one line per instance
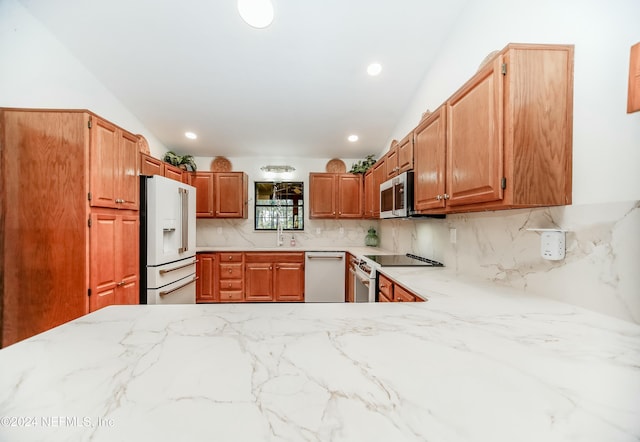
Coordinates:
396 196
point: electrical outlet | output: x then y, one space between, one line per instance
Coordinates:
341 231
453 236
552 245
219 230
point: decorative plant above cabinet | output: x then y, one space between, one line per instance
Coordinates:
363 165
185 162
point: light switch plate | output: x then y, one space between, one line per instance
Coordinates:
453 236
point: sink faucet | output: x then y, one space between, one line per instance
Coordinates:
279 232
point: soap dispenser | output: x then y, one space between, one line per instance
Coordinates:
293 241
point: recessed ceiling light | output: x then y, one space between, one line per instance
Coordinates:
352 138
190 135
256 13
374 69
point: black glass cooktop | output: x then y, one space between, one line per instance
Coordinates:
407 260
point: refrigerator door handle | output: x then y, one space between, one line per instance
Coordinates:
184 212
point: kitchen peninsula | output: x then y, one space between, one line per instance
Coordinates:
472 364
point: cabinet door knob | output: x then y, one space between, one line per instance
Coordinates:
438 197
230 257
446 196
229 270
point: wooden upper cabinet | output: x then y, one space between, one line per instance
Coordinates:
173 172
369 194
475 148
509 132
114 166
633 100
379 175
430 162
231 189
349 195
335 195
391 162
220 194
150 165
405 150
322 195
128 182
104 163
203 182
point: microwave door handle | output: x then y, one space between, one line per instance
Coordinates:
393 198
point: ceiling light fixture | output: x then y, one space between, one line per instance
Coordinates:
256 13
190 135
374 69
352 138
277 169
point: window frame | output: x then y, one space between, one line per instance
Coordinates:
300 207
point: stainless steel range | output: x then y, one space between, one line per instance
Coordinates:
365 271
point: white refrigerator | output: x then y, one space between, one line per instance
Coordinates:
167 241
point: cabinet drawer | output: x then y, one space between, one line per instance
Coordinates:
230 257
230 271
385 286
231 296
402 295
231 284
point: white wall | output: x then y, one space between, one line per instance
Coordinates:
36 70
606 146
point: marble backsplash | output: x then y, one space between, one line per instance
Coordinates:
600 272
317 233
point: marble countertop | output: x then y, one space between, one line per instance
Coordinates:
471 364
354 250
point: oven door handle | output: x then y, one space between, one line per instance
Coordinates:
365 281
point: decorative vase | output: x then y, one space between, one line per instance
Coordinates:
371 239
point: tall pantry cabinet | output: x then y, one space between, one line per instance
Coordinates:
68 218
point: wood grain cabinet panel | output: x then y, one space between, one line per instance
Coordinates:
114 166
633 100
259 281
220 194
391 291
274 276
206 282
151 166
173 172
62 237
430 162
369 195
508 137
335 196
230 277
114 259
289 281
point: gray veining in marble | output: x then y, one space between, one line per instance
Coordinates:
600 270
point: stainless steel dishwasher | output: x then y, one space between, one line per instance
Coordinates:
324 276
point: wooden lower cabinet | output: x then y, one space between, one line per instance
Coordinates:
231 277
114 258
288 281
250 277
207 281
391 291
274 276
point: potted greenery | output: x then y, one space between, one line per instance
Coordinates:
363 165
185 162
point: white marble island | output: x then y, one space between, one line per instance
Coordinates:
464 367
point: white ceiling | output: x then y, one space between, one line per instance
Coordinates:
297 88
